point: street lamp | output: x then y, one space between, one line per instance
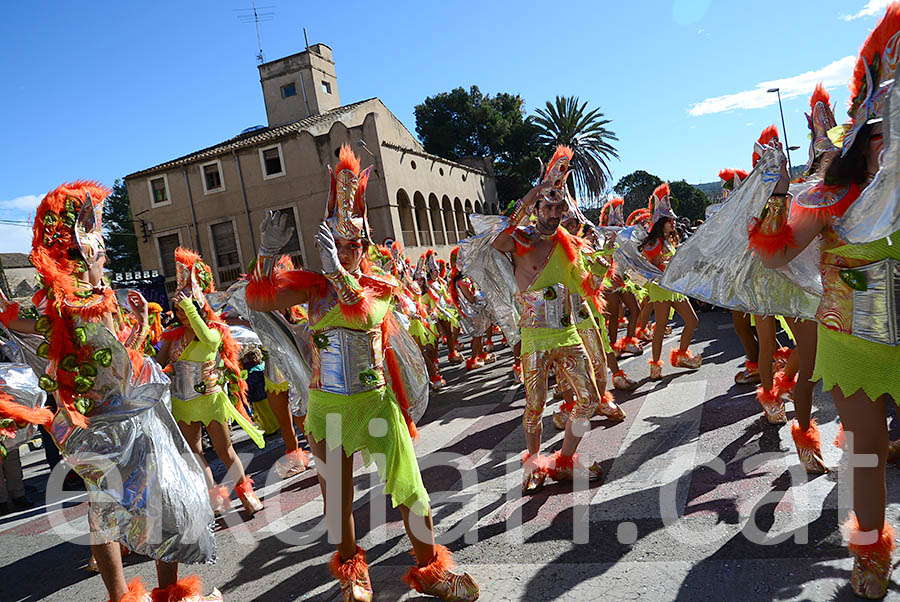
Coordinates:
783 128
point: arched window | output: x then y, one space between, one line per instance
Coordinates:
449 221
437 224
407 225
422 220
468 208
460 218
479 208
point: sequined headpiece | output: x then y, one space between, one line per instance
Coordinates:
768 137
820 120
71 216
192 275
557 173
345 212
731 178
611 213
638 216
873 78
660 204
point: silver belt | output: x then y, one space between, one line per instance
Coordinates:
546 308
876 308
349 361
195 379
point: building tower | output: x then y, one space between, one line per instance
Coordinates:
299 85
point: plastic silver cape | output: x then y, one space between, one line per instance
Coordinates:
146 488
288 345
630 260
19 382
876 213
412 367
716 264
475 316
492 272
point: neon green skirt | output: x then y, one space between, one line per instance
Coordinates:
658 294
420 333
215 407
371 423
265 418
855 364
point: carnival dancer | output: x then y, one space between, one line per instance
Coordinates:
591 330
424 327
437 301
621 291
732 178
113 419
207 387
356 378
548 266
658 248
475 317
643 330
855 358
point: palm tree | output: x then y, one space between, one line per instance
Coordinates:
567 121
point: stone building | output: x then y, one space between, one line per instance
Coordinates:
20 277
213 200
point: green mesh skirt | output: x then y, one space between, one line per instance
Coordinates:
419 332
855 364
371 423
215 407
658 294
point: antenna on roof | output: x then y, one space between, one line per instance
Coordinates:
255 15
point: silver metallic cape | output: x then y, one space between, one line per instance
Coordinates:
876 213
412 368
631 260
716 264
146 488
20 382
492 271
289 345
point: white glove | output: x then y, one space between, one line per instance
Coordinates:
327 249
274 233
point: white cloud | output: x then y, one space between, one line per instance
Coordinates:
872 7
834 74
26 203
15 239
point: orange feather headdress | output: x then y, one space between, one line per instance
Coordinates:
659 203
345 211
557 174
732 177
820 120
768 137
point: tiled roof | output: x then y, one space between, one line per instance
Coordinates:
253 138
15 260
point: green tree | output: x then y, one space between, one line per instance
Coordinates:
464 123
636 188
688 201
118 225
568 121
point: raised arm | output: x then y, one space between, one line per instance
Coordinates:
205 334
268 291
504 241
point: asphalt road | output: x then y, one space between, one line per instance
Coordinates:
702 499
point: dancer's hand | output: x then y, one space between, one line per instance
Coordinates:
274 233
531 197
139 307
327 249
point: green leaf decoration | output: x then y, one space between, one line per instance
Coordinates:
43 350
84 404
88 369
855 279
46 383
550 293
42 325
321 341
200 388
80 335
103 357
69 363
83 384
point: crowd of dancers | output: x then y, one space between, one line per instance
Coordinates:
351 352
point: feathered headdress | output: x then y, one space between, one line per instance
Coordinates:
345 211
192 276
873 78
768 137
638 216
732 178
557 173
660 204
612 213
820 120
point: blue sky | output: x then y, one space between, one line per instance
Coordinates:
101 89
